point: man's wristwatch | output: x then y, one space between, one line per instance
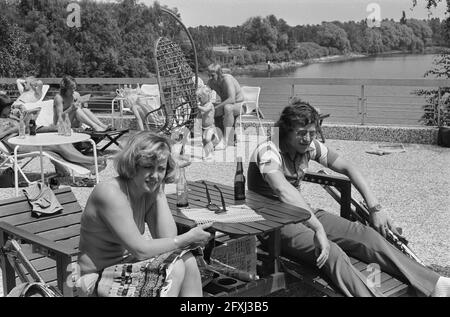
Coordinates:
375 208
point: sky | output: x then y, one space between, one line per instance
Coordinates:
294 12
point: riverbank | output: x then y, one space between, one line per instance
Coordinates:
245 69
237 70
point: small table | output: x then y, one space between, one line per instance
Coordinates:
275 213
47 139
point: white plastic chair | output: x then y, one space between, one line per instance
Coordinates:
251 102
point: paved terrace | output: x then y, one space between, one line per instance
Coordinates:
413 185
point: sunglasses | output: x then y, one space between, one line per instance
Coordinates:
211 206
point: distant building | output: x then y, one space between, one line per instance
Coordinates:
228 48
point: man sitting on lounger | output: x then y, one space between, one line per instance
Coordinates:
232 99
326 240
69 102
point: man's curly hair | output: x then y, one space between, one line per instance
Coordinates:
298 112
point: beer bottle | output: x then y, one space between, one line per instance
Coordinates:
32 126
239 181
182 190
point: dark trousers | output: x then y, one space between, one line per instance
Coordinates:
361 242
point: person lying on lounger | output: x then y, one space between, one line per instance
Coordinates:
69 102
30 90
276 171
9 128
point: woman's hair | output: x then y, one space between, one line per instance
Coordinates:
142 148
5 101
35 84
204 91
215 68
298 112
68 82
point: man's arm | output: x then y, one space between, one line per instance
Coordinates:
58 109
289 194
378 219
231 93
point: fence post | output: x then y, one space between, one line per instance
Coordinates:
439 107
362 105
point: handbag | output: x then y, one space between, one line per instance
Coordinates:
42 200
7 178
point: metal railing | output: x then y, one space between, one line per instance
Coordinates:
347 100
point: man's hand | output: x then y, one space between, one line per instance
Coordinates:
322 247
380 221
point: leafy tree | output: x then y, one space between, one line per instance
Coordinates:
421 29
332 35
434 114
260 32
373 41
14 51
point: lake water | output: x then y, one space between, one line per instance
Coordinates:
386 105
382 66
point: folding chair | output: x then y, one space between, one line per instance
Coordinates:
111 137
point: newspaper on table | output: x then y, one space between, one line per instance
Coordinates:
234 214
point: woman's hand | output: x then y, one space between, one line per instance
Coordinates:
197 236
322 247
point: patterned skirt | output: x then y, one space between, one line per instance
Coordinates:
149 278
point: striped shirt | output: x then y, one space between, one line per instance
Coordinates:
268 158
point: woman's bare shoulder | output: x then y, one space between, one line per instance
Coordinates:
107 191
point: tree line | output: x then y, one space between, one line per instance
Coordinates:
117 39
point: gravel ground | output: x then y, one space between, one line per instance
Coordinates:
413 186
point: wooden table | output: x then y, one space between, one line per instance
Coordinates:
275 213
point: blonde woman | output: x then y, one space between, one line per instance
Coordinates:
112 242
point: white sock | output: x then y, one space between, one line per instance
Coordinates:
442 288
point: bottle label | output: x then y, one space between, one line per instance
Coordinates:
239 191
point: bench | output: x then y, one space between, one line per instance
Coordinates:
51 244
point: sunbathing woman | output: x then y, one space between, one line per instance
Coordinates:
68 102
30 89
9 128
112 242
